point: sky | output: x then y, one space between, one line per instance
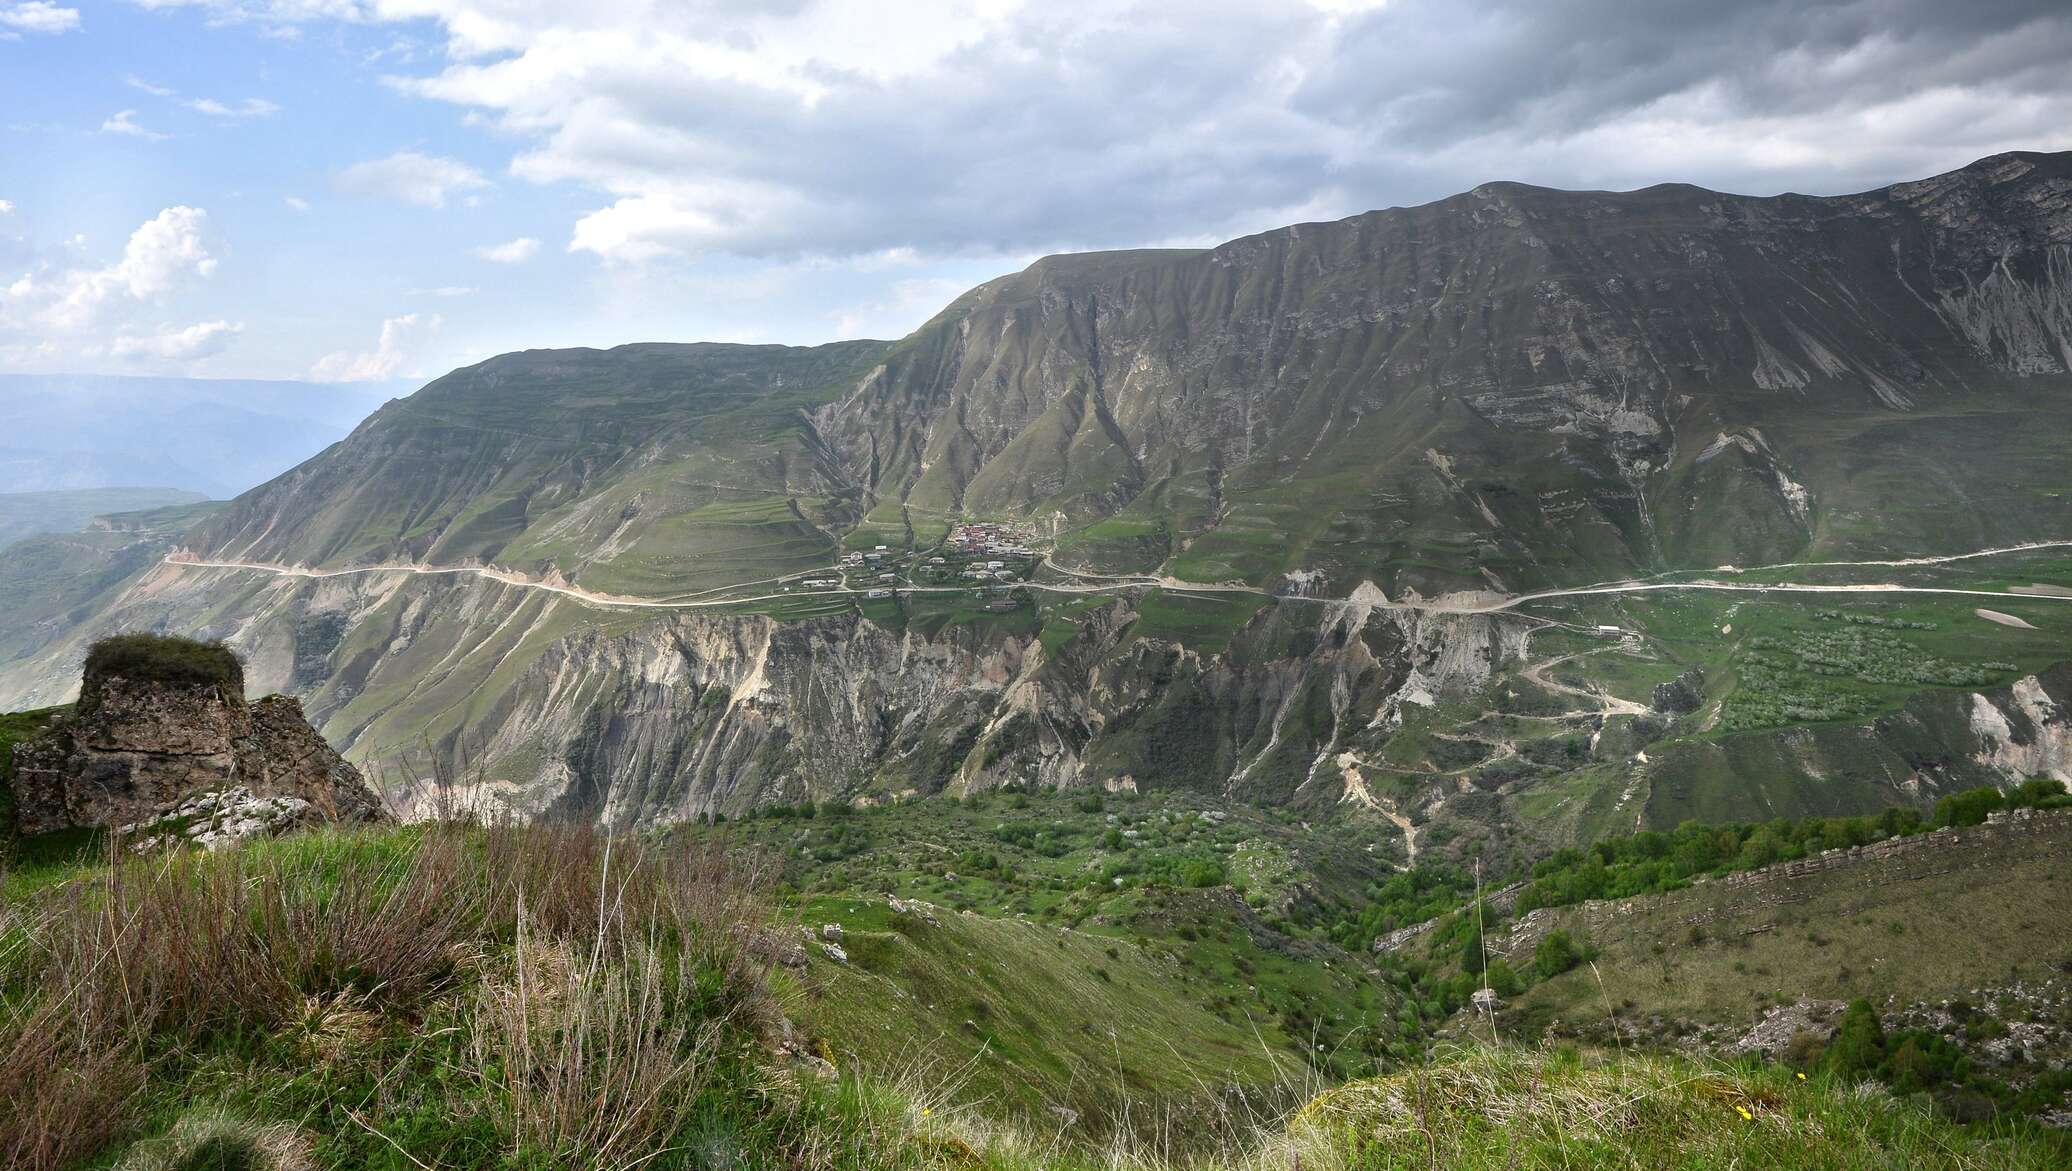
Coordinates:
353 190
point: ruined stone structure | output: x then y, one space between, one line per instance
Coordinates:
134 751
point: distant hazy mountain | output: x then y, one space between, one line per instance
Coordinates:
62 432
25 513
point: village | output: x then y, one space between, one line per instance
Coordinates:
991 557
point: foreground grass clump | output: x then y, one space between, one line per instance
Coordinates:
504 997
1520 1109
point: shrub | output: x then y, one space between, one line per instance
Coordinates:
1556 953
1502 980
1969 807
1804 1050
1858 1049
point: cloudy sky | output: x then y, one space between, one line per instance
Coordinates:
363 189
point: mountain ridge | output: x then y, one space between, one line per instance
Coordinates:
1509 391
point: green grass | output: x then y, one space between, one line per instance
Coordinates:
1923 926
158 658
1204 623
415 997
1533 1109
1030 1015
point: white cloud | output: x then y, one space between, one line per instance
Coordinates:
425 180
6 207
36 16
249 108
275 11
445 291
187 344
295 202
517 251
845 128
399 336
162 253
66 307
165 248
124 122
156 91
907 304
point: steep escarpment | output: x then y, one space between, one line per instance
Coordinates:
1545 377
1509 390
682 717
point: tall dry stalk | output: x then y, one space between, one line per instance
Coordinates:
164 954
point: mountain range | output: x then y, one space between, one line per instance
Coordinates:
1297 519
218 437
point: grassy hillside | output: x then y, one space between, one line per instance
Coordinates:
444 997
1943 917
1177 917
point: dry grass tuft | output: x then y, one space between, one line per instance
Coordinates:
596 1061
221 1142
588 951
66 1081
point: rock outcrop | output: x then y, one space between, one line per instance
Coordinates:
136 750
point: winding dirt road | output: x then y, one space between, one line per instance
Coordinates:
1446 604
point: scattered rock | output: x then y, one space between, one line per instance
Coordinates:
218 819
831 931
915 907
835 952
1685 693
1774 1032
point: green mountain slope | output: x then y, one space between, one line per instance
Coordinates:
646 469
628 612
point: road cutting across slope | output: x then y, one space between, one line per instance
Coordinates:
1479 603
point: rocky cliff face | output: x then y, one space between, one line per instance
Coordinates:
134 751
1509 389
1628 347
693 715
